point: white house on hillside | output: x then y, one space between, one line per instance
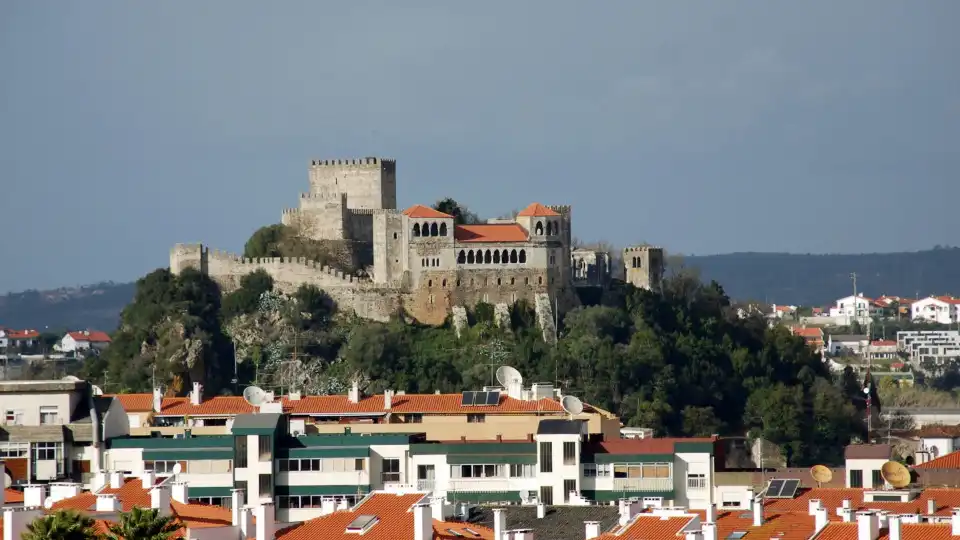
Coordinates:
938 309
84 340
859 308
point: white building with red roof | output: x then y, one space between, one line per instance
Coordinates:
83 340
855 308
937 309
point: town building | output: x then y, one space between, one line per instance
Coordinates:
83 340
929 347
846 344
855 308
937 309
882 350
813 336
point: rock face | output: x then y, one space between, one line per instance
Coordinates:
419 260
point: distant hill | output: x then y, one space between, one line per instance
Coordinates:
92 306
791 279
780 278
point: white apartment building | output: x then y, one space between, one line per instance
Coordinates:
855 308
938 309
930 346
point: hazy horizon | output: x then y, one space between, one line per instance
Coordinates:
760 126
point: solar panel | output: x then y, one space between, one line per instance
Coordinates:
481 399
790 488
773 489
736 535
493 398
467 398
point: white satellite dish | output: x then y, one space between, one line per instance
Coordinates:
177 468
71 378
507 375
7 479
97 391
48 503
254 395
572 405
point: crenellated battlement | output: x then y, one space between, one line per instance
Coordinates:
325 196
645 247
353 161
562 209
372 211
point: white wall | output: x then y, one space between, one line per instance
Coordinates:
867 466
393 451
693 463
938 446
560 471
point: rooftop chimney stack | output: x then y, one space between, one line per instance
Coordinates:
246 523
387 399
236 502
813 505
711 516
157 399
327 506
160 499
107 503
541 510
593 529
894 528
148 479
196 396
266 521
868 526
820 519
709 531
499 523
422 522
758 512
354 395
116 479
931 507
178 492
34 495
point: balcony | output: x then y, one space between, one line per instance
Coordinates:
643 484
426 485
492 484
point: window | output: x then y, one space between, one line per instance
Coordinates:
48 415
646 470
242 484
43 451
240 453
266 486
359 464
546 494
568 486
391 470
730 500
476 418
13 417
696 481
312 501
546 457
877 479
476 471
414 418
856 479
589 470
266 448
522 471
569 453
14 450
160 467
523 256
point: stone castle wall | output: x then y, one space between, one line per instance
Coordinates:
368 182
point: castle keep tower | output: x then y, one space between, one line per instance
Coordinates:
643 266
370 183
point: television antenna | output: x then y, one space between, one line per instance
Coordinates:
572 405
254 395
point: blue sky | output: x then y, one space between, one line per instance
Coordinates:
706 127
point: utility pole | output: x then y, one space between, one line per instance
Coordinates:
853 276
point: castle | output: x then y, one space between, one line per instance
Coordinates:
420 260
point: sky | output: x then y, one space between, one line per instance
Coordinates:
703 127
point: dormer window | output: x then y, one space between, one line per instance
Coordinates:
362 524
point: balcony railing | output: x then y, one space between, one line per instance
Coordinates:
642 484
426 485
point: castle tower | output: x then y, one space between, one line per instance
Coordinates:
643 266
370 183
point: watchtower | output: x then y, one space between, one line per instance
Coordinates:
643 266
370 182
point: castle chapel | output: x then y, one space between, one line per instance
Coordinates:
419 260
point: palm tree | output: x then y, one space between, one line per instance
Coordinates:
61 525
143 524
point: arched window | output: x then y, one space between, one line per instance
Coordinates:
425 229
458 283
538 229
462 257
540 280
433 230
443 229
416 229
513 256
512 281
504 257
498 281
496 256
470 257
487 257
444 283
549 228
526 281
429 283
479 256
523 256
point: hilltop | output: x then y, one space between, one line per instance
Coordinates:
783 278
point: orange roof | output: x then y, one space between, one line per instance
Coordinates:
416 403
641 446
215 406
395 520
23 334
832 498
808 332
650 527
421 211
919 531
538 210
883 343
12 496
949 461
490 232
134 402
93 336
838 531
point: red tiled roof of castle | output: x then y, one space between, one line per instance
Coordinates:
490 232
537 210
93 336
420 211
394 520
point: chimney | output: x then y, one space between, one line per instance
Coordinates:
387 399
625 516
812 506
246 523
61 490
343 504
157 399
15 521
709 531
820 519
894 528
868 526
422 522
266 522
931 506
236 502
116 479
34 495
196 396
522 534
499 523
178 492
541 510
436 508
293 396
955 522
107 503
354 395
148 479
758 512
593 529
692 535
328 506
160 499
711 516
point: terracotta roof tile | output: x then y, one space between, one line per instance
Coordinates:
12 496
134 402
22 334
538 210
920 531
838 531
219 405
808 332
416 403
832 498
650 527
420 211
949 461
490 232
93 336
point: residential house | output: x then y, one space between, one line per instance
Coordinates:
813 336
863 463
925 347
855 308
839 344
21 338
83 340
895 306
782 312
884 350
938 309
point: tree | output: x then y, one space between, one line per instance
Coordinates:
461 214
61 525
143 524
265 242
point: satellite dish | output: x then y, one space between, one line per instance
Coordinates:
70 378
507 375
254 395
48 503
821 474
572 405
7 480
97 391
177 468
895 474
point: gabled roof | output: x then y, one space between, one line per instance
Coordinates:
419 211
537 210
490 232
416 403
948 461
22 334
134 402
93 336
808 332
12 496
215 406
